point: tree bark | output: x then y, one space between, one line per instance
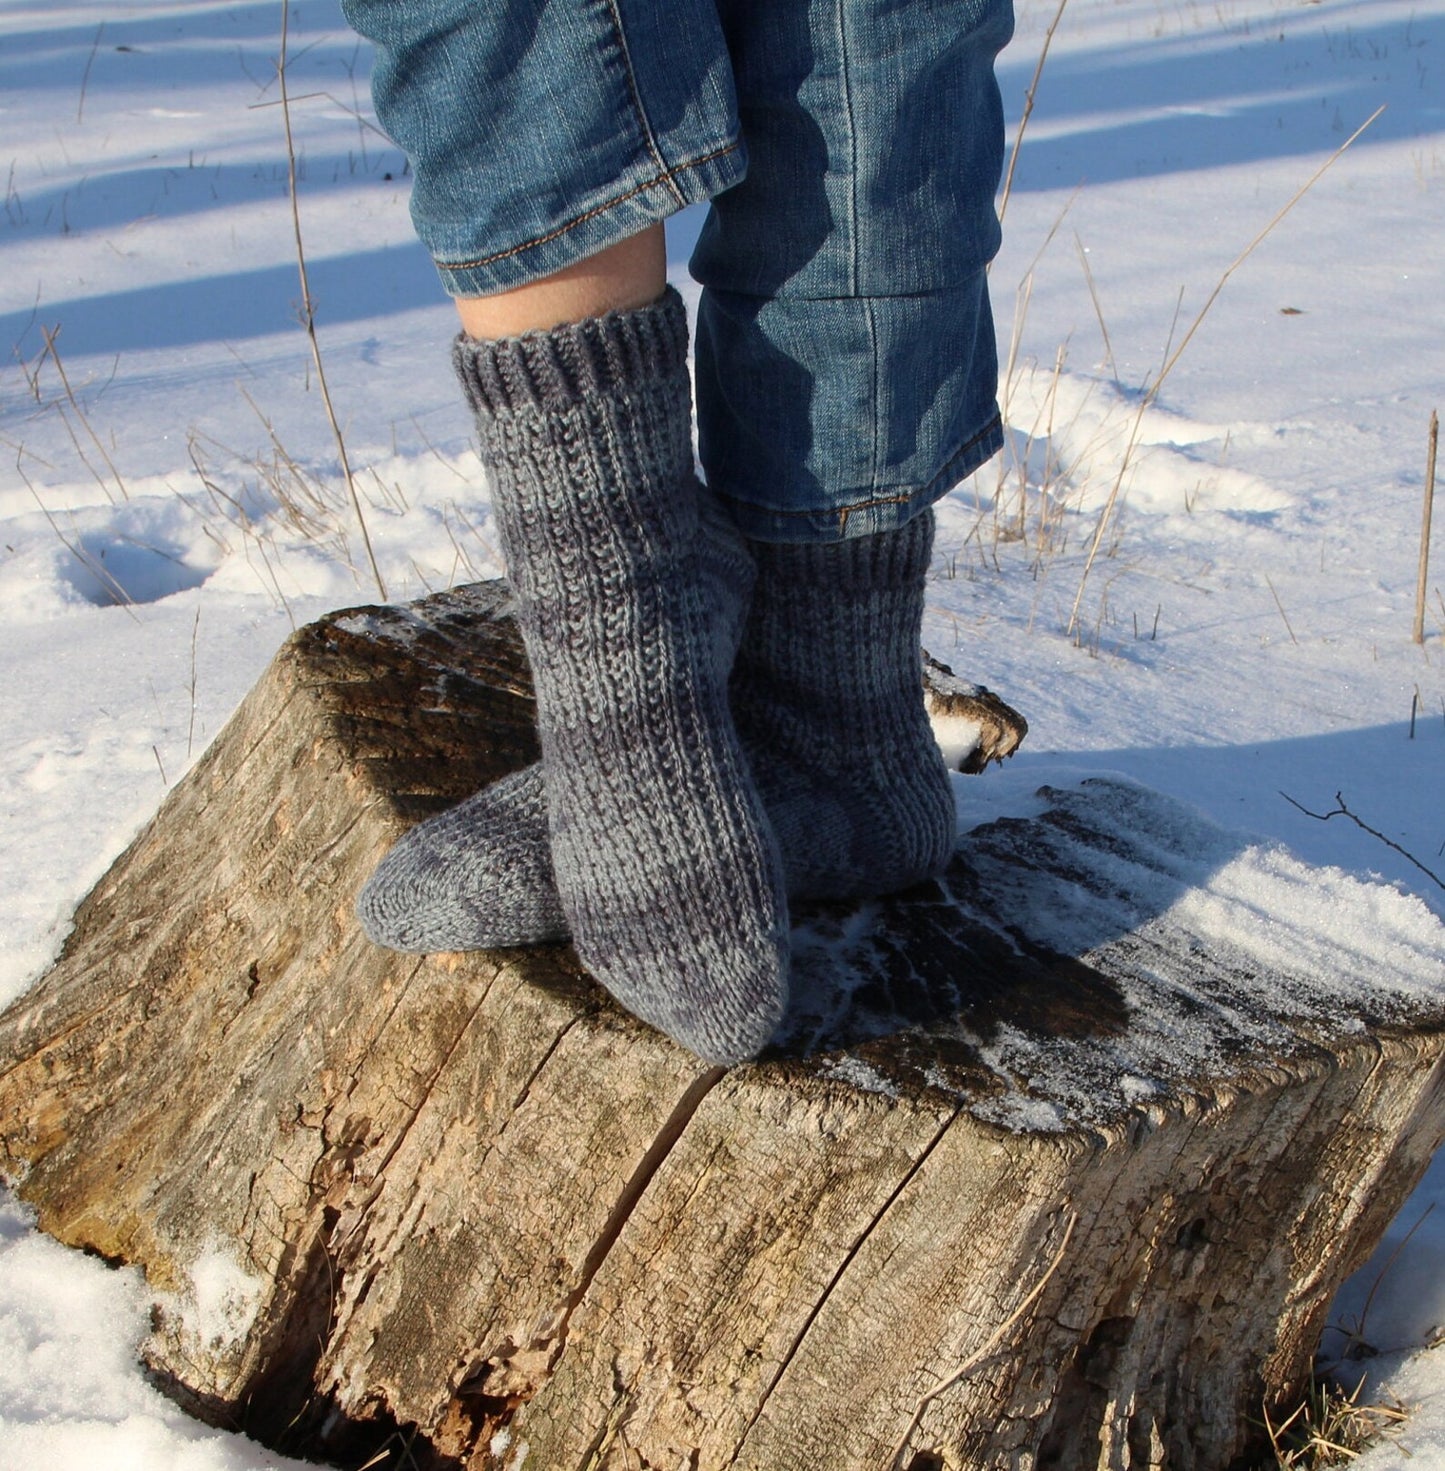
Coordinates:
1058 1162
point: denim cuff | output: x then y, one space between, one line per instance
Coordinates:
865 516
616 218
822 420
855 566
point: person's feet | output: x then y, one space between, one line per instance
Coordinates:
665 866
830 706
475 877
827 694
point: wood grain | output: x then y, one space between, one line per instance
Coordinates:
1053 1165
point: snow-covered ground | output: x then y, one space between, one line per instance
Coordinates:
170 505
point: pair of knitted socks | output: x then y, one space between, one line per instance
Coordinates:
671 816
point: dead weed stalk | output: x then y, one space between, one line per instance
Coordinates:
1328 1427
1171 360
307 308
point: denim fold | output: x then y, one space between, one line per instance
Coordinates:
846 366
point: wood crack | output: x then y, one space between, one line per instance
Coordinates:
415 1110
848 1259
622 1209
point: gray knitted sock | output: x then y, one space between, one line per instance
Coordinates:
835 730
666 868
828 697
475 877
479 875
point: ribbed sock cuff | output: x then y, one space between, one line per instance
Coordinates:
551 371
886 559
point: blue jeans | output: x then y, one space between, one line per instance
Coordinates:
846 370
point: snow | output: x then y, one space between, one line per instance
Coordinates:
1223 952
1393 1305
223 1299
957 737
71 1395
171 507
859 1074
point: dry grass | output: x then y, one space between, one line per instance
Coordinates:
1031 503
1328 1427
308 311
1423 578
1173 355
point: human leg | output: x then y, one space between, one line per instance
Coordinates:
846 371
846 378
576 372
541 132
827 693
665 865
479 876
822 352
622 277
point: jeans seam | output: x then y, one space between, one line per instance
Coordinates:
853 244
664 174
877 389
852 151
666 177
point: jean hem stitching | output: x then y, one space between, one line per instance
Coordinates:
666 177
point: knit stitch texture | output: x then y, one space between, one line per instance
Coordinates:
834 728
665 866
479 875
827 693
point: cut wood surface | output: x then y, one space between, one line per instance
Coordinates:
1058 1162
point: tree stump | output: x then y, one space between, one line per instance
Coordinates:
1058 1163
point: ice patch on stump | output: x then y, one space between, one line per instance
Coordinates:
1100 947
227 1297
